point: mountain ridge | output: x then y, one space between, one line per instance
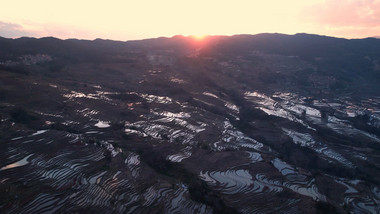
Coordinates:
307 45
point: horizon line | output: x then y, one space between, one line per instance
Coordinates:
186 36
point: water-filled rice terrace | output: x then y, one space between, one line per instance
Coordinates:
152 138
93 169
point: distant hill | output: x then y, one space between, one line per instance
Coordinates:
356 56
303 45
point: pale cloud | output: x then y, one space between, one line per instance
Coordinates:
32 29
12 30
351 31
345 13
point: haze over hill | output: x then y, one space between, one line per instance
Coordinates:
266 123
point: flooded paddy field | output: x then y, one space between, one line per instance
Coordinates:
185 135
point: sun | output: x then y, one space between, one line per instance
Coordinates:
199 37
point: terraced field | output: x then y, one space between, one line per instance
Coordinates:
184 135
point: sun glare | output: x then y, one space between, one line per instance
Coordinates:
199 37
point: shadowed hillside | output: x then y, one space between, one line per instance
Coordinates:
266 123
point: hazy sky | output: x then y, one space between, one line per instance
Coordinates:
137 19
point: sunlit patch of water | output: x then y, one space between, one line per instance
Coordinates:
133 163
255 157
231 138
297 182
229 182
178 80
356 201
39 132
102 124
280 109
302 139
306 140
19 163
185 153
